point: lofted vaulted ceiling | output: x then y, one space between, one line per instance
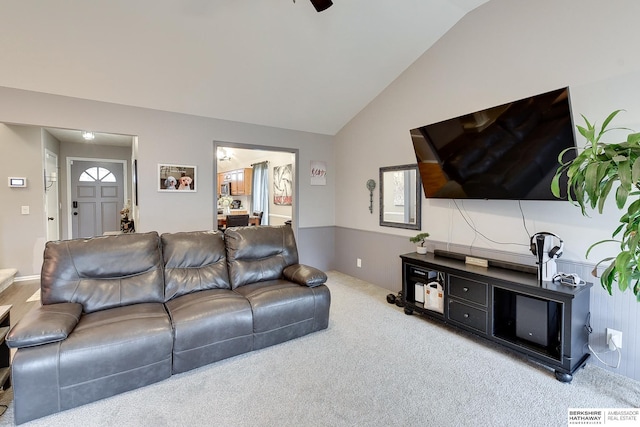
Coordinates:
268 62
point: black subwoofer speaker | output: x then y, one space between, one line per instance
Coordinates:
321 5
536 320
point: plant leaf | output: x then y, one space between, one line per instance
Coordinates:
621 266
607 121
587 132
624 173
555 185
635 171
633 138
604 192
606 280
599 243
618 158
591 183
621 196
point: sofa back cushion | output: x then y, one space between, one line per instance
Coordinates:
103 272
194 261
258 253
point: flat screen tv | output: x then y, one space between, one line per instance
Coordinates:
507 152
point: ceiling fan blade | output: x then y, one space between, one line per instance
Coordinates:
321 5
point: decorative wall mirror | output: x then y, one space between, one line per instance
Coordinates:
400 197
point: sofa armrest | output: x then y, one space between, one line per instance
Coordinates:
304 275
45 324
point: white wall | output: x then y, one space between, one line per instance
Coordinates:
502 51
170 138
22 236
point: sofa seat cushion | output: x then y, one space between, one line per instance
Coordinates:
108 352
119 340
283 310
209 325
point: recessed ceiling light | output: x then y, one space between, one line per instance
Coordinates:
88 136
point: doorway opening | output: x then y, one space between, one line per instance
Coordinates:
256 180
52 195
70 145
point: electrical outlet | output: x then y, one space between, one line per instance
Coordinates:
614 339
359 263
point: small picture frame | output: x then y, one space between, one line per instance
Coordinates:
177 178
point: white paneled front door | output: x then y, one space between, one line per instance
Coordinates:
97 196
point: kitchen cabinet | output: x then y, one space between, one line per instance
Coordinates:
221 179
239 180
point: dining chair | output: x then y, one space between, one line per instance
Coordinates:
237 220
259 215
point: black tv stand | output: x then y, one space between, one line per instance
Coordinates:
545 322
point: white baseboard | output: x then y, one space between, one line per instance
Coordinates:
25 278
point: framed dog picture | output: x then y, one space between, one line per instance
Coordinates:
176 178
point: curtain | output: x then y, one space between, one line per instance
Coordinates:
260 190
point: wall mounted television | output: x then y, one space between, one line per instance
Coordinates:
506 152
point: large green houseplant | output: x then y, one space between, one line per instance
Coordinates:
591 178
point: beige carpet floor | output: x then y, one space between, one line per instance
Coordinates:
373 366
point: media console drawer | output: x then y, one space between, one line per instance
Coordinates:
468 316
468 289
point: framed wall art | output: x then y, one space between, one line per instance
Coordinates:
283 185
177 178
318 173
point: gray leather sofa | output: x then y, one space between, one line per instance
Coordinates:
121 312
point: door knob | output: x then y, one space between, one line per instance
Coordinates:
50 218
75 213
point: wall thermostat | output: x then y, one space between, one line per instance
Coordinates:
17 181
